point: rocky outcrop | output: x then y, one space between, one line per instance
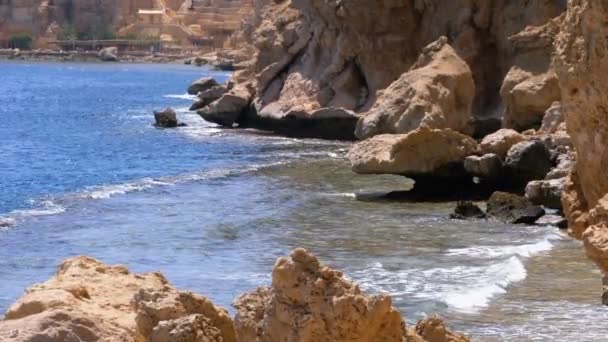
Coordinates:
87 300
437 92
422 151
229 108
90 301
309 302
500 142
511 208
201 85
166 119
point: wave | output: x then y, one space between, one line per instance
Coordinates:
45 208
181 96
525 251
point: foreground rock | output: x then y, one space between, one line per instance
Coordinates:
437 92
87 300
466 210
166 119
208 96
511 208
201 84
311 302
109 54
228 109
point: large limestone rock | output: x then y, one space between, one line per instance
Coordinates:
87 300
500 142
420 152
437 92
202 84
227 110
311 302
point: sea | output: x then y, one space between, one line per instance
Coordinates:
84 172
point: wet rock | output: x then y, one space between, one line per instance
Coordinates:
206 97
489 166
423 151
500 142
605 290
546 192
227 110
166 119
109 54
224 65
511 208
553 220
201 84
529 160
188 61
467 209
437 92
310 302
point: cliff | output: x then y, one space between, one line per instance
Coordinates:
87 300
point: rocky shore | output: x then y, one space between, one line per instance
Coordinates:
465 97
88 300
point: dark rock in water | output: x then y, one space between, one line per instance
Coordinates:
553 220
208 96
188 61
201 84
488 166
546 192
167 119
485 126
227 109
224 65
605 290
512 208
109 54
198 61
467 209
529 160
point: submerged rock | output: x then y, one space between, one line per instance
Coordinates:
511 208
467 209
311 302
201 84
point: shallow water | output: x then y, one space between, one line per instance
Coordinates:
84 172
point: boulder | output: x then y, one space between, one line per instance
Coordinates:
201 84
166 119
489 166
208 96
565 166
109 54
311 302
467 209
423 151
527 101
87 300
514 209
529 160
546 192
227 110
437 92
500 142
553 119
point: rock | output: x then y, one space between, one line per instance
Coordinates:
198 61
514 209
553 119
227 110
208 96
166 119
433 329
528 100
467 209
489 166
310 302
483 127
437 92
187 61
529 160
546 192
224 65
575 206
553 220
422 151
87 300
605 290
500 142
201 84
565 165
109 54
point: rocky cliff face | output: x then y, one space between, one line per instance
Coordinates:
87 300
581 64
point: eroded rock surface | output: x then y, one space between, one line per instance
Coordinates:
311 302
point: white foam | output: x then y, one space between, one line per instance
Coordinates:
181 96
525 251
107 191
45 208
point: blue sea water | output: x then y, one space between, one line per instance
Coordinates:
83 171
